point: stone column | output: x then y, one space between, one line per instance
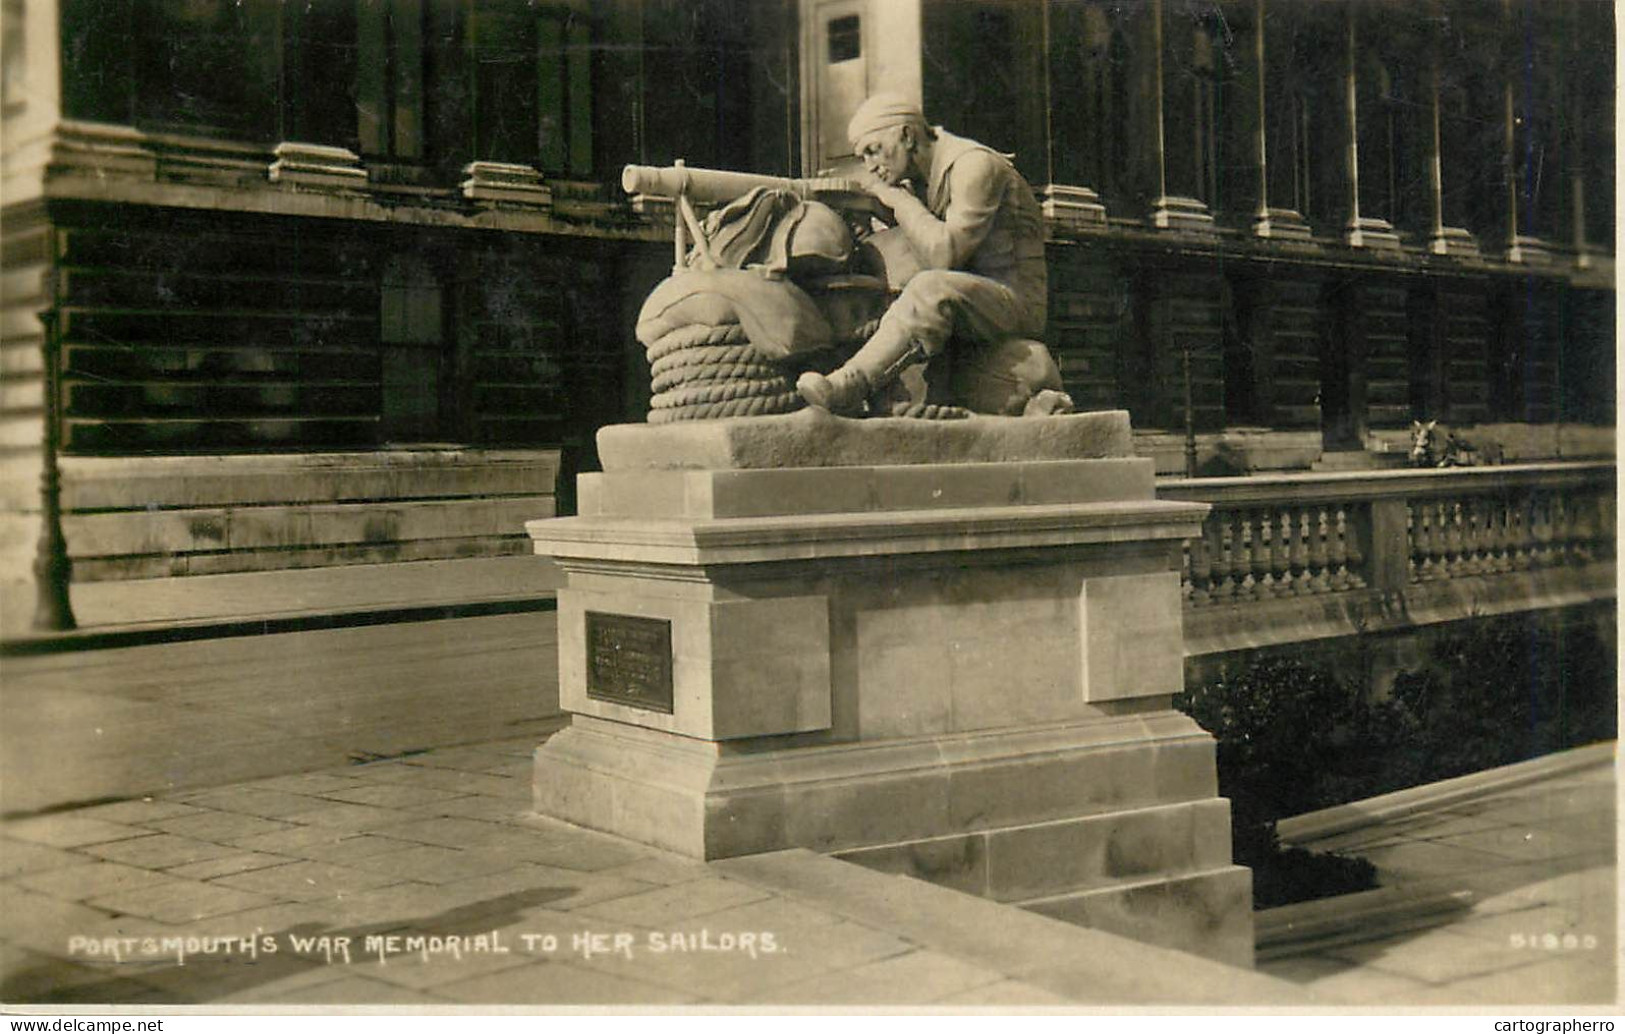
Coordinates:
1442 239
1360 232
1268 221
1520 247
1168 212
1509 171
1071 206
1577 185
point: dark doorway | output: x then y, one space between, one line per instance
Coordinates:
1342 378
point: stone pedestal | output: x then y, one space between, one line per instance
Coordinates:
959 670
1185 214
1072 208
1376 234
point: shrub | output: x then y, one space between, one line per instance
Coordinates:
1289 735
1506 690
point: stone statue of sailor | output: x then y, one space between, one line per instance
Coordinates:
976 233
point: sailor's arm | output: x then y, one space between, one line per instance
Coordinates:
949 243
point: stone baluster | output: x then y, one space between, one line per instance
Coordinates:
1303 578
1583 523
1564 543
1472 536
1424 539
1220 555
1337 551
1553 544
1518 538
1356 530
1280 525
1540 531
1499 543
1500 557
1253 576
1438 540
1581 509
1602 525
1450 531
1413 539
1556 540
1198 566
1245 551
1320 529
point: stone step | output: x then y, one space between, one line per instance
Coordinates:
1066 856
173 482
1207 913
147 517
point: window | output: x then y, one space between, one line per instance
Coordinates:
389 88
258 70
1291 62
207 65
1393 116
845 39
1207 136
532 81
13 55
411 330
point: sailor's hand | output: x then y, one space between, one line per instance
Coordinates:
886 193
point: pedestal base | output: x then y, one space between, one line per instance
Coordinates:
1072 208
1455 242
1112 824
1375 234
1282 224
960 670
1184 214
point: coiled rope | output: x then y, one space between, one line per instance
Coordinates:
703 372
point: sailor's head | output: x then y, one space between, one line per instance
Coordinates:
889 133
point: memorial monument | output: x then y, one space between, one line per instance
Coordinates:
892 602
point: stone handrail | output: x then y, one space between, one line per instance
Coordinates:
1393 540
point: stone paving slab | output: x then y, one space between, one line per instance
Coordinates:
72 831
95 879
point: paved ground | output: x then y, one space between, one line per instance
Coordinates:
90 725
1539 861
440 845
376 837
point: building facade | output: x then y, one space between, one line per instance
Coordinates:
353 280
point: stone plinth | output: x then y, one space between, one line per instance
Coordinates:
959 670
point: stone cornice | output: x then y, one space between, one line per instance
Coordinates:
123 165
823 536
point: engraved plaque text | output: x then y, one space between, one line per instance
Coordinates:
629 661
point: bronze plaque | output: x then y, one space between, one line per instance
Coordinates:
629 660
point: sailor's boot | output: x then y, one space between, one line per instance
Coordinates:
875 365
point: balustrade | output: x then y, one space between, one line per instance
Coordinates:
1293 549
1301 536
